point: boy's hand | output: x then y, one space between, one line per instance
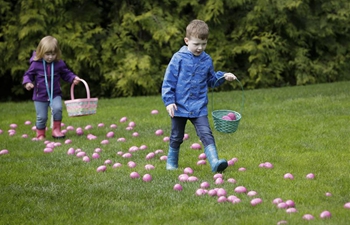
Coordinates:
230 76
76 80
29 86
170 108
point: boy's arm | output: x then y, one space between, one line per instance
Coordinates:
170 81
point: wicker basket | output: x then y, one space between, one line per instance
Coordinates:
82 106
224 125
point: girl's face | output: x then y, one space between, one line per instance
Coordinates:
49 57
196 45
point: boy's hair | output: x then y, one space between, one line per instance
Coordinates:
47 44
197 29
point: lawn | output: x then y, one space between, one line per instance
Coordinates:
299 130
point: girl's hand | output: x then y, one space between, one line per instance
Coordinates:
76 80
29 86
230 76
170 108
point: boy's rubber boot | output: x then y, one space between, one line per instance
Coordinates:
173 158
216 164
40 134
56 130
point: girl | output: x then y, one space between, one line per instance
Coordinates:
44 74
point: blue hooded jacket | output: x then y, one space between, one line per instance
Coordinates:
35 74
186 83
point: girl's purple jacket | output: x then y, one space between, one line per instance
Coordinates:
35 74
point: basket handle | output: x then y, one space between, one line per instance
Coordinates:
212 96
86 87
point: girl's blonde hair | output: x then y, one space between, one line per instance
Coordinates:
197 29
47 44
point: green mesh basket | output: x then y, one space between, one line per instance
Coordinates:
221 122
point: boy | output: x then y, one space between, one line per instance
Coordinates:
184 93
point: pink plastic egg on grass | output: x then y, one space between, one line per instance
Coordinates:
201 162
79 131
188 170
200 192
113 126
147 178
154 112
328 194
290 203
108 161
121 139
202 156
236 200
134 175
222 199
131 164
95 155
217 175
186 136
80 154
48 150
221 192
282 205
242 169
101 168
70 128
86 159
205 185
68 141
4 152
268 165
158 151
1 131
123 119
127 155
159 132
177 187
88 127
71 151
212 192
252 193
183 177
291 210
277 200
143 147
149 167
196 146
288 176
97 150
116 165
110 134
24 135
192 179
150 155
231 180
230 162
27 122
240 189
255 201
132 124
325 215
347 205
104 142
166 139
308 217
163 158
135 134
310 176
129 128
100 125
13 126
219 181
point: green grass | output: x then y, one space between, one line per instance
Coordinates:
300 130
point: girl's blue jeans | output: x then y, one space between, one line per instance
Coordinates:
201 125
42 111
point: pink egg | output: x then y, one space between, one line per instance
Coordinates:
71 151
91 137
200 192
288 176
232 115
188 170
290 203
108 161
226 118
97 150
135 134
86 159
282 222
159 132
234 159
230 162
116 165
347 205
219 181
24 135
95 155
255 201
149 167
240 189
121 139
113 126
252 193
222 199
163 158
202 156
88 127
310 176
268 165
131 164
205 185
143 147
48 150
192 179
196 146
120 153
134 175
150 155
166 139
236 200
212 192
77 150
177 187
308 217
1 131
154 111
221 192
133 148
231 198
4 152
70 128
101 168
68 141
27 122
100 125
242 169
56 144
110 134
231 180
147 178
13 126
127 155
158 151
81 154
328 194
104 142
282 205
277 200
79 131
291 210
217 175
186 136
123 119
183 177
325 215
201 162
129 128
132 124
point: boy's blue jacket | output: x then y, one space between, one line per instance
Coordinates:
186 83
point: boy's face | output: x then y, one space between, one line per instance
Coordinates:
196 45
